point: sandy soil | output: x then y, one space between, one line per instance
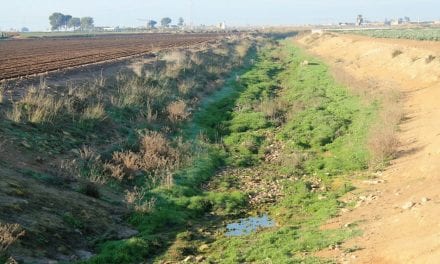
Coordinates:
399 212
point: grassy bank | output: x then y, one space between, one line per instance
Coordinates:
116 148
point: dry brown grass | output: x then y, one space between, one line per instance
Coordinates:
187 86
2 94
37 106
9 234
383 141
430 59
177 111
155 155
136 200
273 109
94 112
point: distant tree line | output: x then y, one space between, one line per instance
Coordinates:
165 22
60 21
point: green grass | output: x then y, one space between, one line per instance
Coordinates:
432 34
329 128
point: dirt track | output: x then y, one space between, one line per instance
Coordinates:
394 233
32 56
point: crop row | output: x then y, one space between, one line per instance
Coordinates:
414 34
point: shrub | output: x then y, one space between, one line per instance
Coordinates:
396 53
94 112
35 107
429 59
156 155
2 96
382 144
136 200
177 111
9 234
90 189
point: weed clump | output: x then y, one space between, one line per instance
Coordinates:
177 111
396 53
430 59
9 234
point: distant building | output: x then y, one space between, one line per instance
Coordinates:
396 22
359 20
222 25
317 31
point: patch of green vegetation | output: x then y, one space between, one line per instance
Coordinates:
329 130
73 221
332 127
298 233
431 34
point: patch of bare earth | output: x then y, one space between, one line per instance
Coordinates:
398 211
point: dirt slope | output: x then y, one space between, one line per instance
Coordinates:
400 216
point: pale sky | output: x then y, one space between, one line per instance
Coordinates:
34 13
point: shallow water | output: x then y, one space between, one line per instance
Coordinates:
248 225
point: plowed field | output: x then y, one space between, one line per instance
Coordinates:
32 56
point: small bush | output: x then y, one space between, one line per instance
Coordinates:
396 53
177 111
94 112
90 189
2 96
156 155
35 107
9 234
137 201
430 59
383 144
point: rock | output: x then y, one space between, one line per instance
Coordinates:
305 63
348 225
203 247
84 255
373 182
62 249
408 205
425 200
200 258
126 232
189 259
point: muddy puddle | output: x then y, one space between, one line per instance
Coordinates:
248 225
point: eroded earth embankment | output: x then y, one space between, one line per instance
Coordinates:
398 211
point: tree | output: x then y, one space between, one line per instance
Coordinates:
66 21
74 22
181 21
87 23
151 24
24 29
165 22
56 20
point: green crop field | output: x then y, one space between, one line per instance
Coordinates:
432 34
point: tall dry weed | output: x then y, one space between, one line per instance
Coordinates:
155 155
383 140
9 234
37 106
177 111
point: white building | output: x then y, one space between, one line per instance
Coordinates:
222 25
